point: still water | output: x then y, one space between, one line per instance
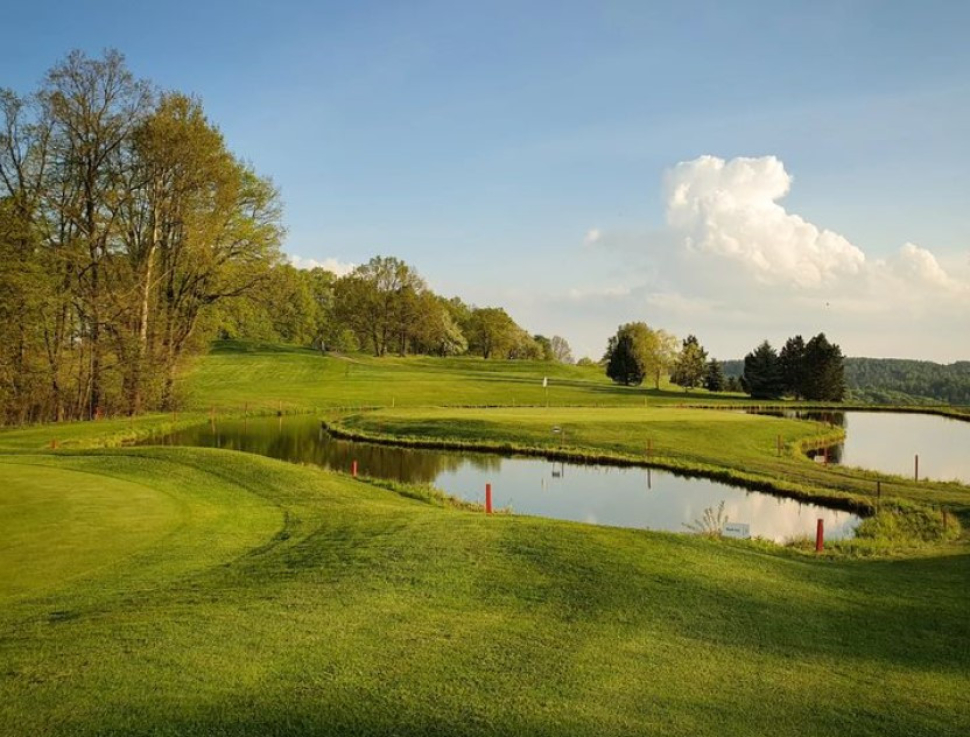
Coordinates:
890 441
607 495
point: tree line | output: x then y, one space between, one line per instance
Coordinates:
131 236
383 307
123 219
903 381
812 371
638 352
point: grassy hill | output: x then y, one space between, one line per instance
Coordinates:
177 591
264 377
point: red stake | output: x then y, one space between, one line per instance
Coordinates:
819 536
353 469
488 498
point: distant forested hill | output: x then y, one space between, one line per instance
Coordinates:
898 380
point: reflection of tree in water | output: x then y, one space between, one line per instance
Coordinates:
302 440
834 451
829 417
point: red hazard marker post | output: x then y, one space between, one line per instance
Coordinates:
819 536
488 498
353 469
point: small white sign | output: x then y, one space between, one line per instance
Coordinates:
737 529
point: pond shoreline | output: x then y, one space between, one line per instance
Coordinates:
836 501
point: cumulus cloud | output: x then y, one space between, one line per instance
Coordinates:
339 268
734 266
730 209
915 263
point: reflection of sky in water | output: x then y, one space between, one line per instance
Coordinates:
620 496
889 442
625 497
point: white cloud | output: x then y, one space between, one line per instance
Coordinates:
339 268
730 209
915 263
613 292
734 267
592 236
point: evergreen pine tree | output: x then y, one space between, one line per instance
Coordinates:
824 371
690 365
792 361
714 376
762 373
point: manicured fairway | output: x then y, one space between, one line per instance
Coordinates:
235 375
57 525
178 591
306 603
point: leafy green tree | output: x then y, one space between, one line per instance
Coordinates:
733 384
378 302
524 347
637 352
662 356
628 353
762 373
141 221
714 376
545 347
491 332
690 365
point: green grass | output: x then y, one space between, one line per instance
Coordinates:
235 375
320 605
176 591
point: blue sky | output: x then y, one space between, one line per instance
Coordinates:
516 153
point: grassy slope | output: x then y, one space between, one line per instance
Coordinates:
286 600
342 608
236 374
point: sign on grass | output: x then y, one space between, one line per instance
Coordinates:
737 529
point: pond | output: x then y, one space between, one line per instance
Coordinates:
890 441
607 495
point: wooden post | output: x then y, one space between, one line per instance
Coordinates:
488 498
879 490
819 536
916 469
353 469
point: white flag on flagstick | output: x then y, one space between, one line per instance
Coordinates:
545 381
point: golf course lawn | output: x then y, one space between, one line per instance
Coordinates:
190 591
288 600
